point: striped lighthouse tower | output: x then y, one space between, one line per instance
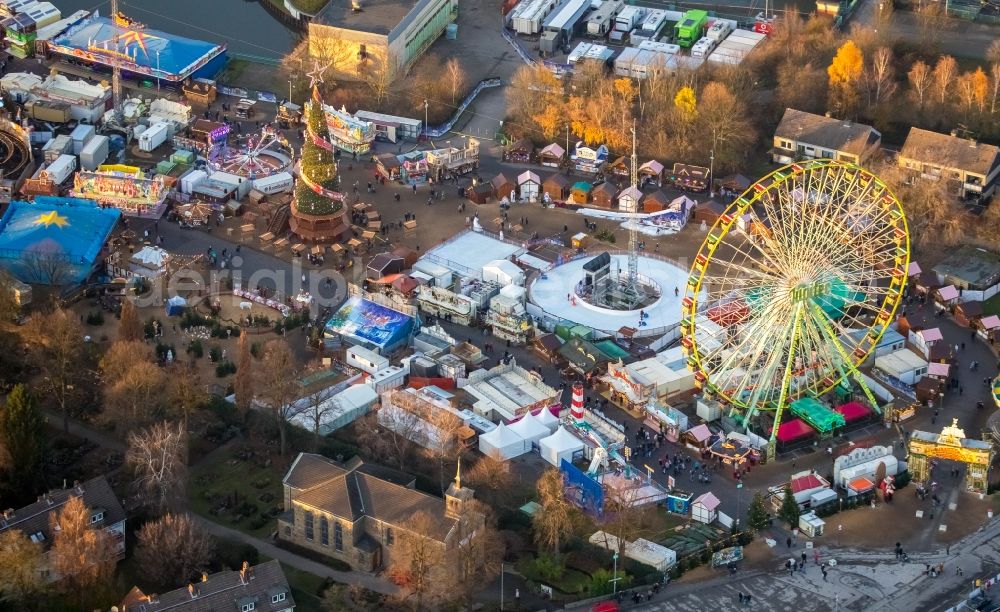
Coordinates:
576 407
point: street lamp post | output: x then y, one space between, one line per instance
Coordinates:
614 581
425 115
501 586
711 172
289 91
739 500
157 70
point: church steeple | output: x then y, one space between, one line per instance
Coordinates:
456 495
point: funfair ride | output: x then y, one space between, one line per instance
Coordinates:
259 156
793 287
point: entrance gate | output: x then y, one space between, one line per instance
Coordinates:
951 444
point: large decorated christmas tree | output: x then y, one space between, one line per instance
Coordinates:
317 168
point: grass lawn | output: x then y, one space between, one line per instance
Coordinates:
572 582
305 589
992 305
238 491
309 6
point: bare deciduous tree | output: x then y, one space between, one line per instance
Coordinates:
392 442
172 549
456 77
185 390
243 382
134 386
624 517
278 384
379 73
129 326
315 406
553 521
920 77
158 458
46 263
880 78
491 478
448 444
419 562
83 555
944 75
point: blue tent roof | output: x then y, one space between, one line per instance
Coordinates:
69 231
141 50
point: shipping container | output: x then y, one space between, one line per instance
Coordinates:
94 153
154 136
53 112
61 169
276 183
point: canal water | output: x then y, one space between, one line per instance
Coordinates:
243 25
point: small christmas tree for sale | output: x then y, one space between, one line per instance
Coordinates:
317 168
789 509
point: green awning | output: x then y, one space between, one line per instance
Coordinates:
818 416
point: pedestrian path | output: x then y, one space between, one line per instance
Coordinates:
368 581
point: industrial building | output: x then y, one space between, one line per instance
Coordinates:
373 32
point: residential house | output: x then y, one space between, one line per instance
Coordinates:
971 168
261 588
358 512
802 135
36 520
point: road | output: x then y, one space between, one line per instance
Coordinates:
953 36
368 581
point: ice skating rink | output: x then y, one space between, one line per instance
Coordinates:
550 293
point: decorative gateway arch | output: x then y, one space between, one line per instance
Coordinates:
951 444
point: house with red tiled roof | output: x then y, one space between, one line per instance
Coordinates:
357 512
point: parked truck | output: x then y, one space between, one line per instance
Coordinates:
625 22
154 136
690 28
602 21
53 112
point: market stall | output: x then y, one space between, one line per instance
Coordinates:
503 187
619 167
698 437
705 509
733 452
679 502
603 194
854 413
520 152
589 159
529 186
552 156
689 178
580 192
655 202
556 188
630 200
651 173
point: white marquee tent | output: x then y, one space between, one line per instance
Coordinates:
530 429
503 441
545 417
560 445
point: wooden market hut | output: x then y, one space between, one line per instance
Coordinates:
655 202
580 192
689 177
708 211
556 187
552 156
480 193
630 199
734 183
926 282
384 264
651 172
603 195
409 256
520 152
529 186
619 167
503 187
547 346
388 166
967 313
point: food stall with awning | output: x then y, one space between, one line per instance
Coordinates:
733 452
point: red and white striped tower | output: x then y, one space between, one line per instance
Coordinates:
576 407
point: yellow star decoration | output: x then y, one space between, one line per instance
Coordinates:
51 218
